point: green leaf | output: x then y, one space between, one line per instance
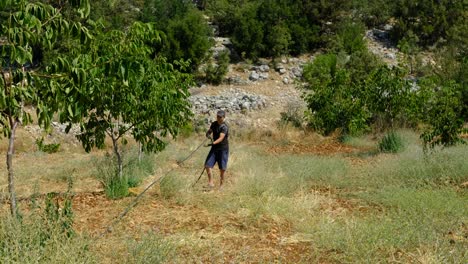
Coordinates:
70 111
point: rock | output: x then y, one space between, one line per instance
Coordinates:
391 56
282 71
297 71
279 66
286 80
264 68
263 76
254 76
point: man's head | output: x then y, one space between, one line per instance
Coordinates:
220 115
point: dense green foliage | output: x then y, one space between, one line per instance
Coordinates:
28 29
272 28
186 35
349 89
215 72
119 87
431 21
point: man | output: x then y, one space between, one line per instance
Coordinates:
219 152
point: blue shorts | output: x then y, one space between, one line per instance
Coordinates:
217 156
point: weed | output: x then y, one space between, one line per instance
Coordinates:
293 114
171 185
134 171
47 148
34 240
391 143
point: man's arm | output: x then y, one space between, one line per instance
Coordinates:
221 137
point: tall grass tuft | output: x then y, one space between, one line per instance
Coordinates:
391 143
171 185
134 172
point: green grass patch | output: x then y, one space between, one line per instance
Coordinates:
135 170
391 143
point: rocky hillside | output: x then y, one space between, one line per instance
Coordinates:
254 95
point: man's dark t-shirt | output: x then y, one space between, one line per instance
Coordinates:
217 130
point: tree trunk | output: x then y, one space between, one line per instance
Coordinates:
140 151
118 155
9 161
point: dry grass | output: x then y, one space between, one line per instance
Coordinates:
290 196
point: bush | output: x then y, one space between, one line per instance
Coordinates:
444 113
334 101
294 114
391 143
265 28
431 21
349 38
215 73
47 148
187 33
352 92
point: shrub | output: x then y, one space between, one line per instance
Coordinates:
444 112
45 236
334 101
215 73
47 148
349 38
187 33
391 143
264 28
431 21
294 114
350 94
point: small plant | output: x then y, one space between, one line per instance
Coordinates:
47 148
134 171
57 215
114 186
391 143
294 114
117 187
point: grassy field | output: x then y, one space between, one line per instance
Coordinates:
290 197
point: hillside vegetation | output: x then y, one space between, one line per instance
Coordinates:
338 154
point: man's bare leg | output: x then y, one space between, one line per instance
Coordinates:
210 178
221 180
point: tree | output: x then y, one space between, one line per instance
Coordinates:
28 27
121 87
187 34
342 96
